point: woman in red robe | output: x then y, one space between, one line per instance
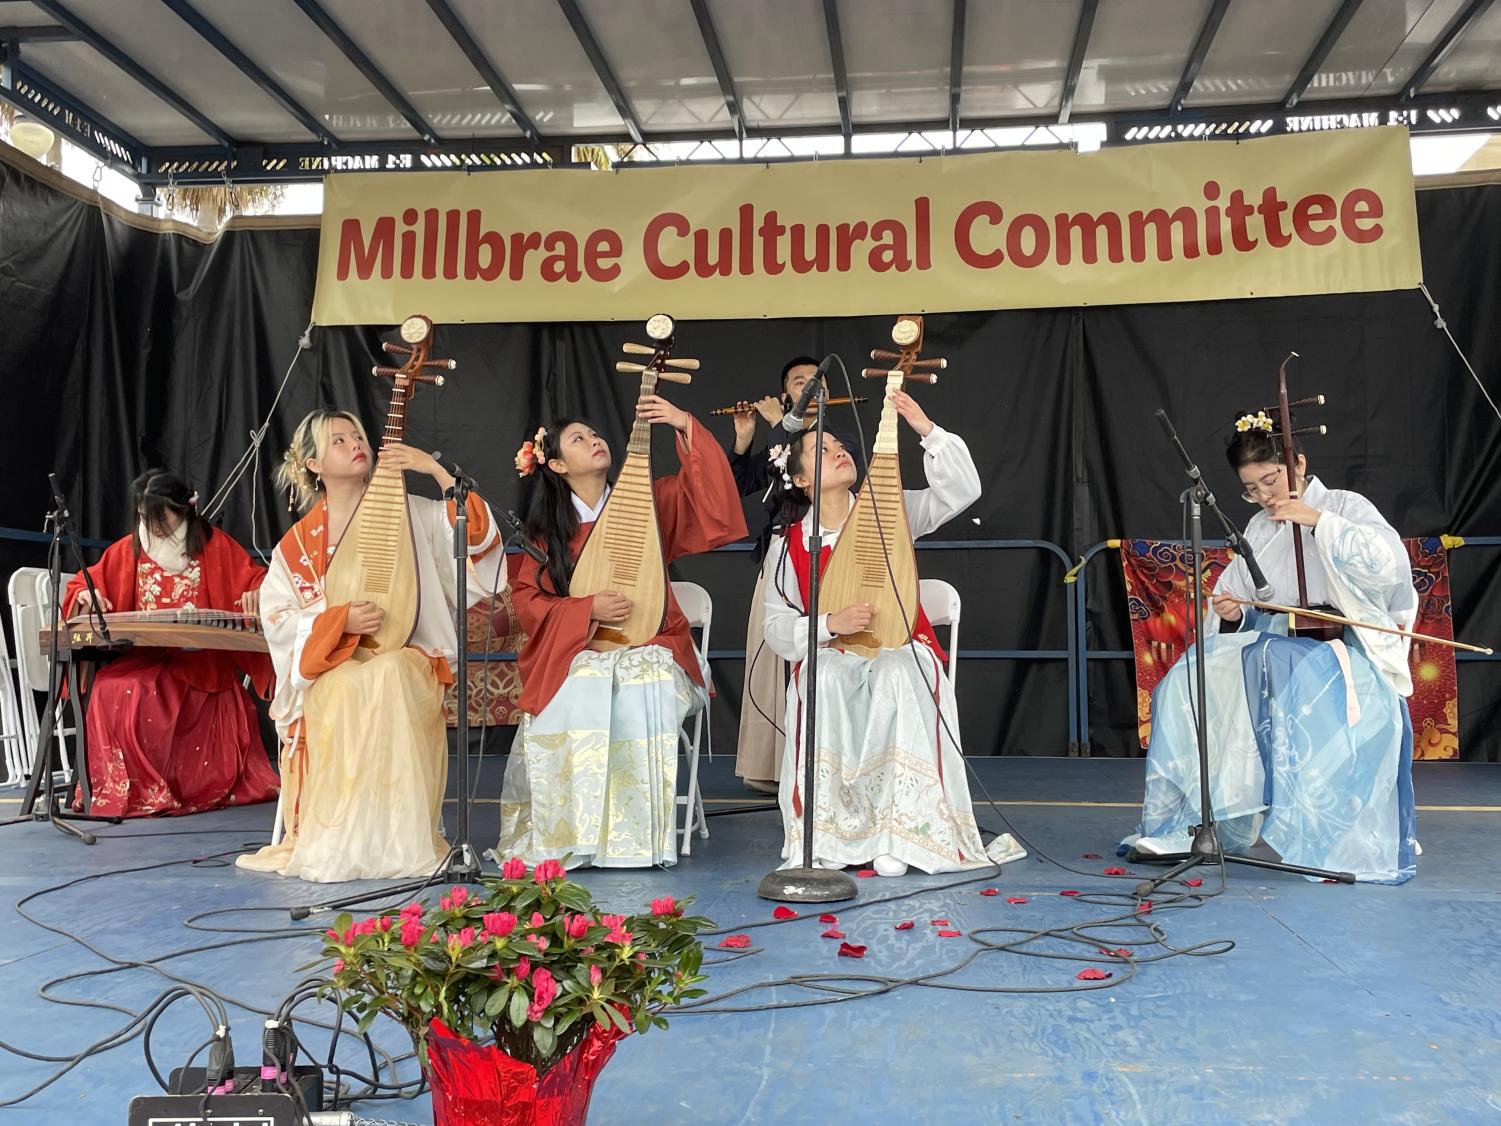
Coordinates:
592 774
171 731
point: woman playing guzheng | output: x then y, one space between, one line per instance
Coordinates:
891 789
1310 743
592 774
171 731
364 753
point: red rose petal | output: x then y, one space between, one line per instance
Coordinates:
828 918
1093 974
1092 856
950 934
847 950
1194 883
1115 871
1143 908
734 942
864 874
784 913
905 926
832 932
940 922
1068 893
990 891
1016 899
1118 952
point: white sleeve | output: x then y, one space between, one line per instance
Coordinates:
286 625
953 483
786 625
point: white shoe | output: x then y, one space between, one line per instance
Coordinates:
888 866
828 864
1173 844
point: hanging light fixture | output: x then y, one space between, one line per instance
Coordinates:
33 138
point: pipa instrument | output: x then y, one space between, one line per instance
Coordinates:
874 560
377 557
624 550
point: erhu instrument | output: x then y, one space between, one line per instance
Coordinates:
1319 628
377 557
750 408
874 559
624 550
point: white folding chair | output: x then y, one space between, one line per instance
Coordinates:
12 728
940 602
30 593
698 608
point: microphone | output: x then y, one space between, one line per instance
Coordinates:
521 540
795 420
1232 534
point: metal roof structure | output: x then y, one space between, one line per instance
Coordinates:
195 91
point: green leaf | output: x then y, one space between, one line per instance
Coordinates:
617 1018
496 1002
545 1039
517 1011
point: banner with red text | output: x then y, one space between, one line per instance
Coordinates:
1313 213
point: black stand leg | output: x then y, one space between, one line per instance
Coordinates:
45 763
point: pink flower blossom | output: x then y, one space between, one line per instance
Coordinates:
596 975
412 911
339 966
548 870
619 937
523 968
513 869
411 932
614 922
466 936
576 926
498 924
385 923
544 992
366 926
537 920
538 941
666 906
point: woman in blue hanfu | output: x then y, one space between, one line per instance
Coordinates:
1310 744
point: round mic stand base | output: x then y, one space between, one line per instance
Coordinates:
807 885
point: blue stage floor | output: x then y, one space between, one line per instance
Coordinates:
1337 1005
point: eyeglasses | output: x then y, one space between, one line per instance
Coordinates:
1263 487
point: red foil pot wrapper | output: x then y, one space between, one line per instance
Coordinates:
480 1085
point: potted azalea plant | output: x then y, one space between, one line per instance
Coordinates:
515 993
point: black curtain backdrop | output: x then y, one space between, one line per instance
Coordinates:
123 349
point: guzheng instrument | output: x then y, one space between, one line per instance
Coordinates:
184 628
749 408
874 560
1319 628
377 557
624 550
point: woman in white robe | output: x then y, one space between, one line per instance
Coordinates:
890 784
364 746
1310 742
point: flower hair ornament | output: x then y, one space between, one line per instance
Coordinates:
777 456
1258 421
527 457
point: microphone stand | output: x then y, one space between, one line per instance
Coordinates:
1206 847
461 865
807 884
42 783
